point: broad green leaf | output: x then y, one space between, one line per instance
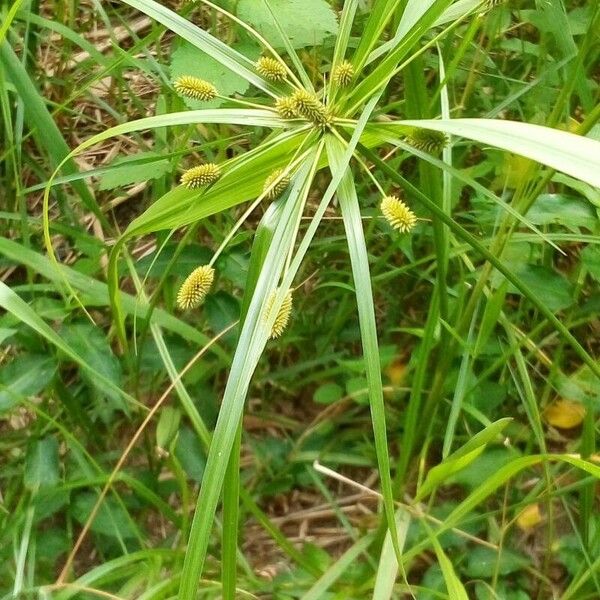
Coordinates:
125 170
93 348
563 210
328 393
189 60
573 154
24 376
484 562
590 258
546 283
41 464
111 520
305 22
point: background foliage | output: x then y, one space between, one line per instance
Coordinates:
489 405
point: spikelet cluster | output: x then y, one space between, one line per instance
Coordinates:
343 74
196 88
286 108
398 214
307 105
427 140
270 68
277 189
201 175
283 315
194 289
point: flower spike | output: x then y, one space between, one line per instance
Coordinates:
310 107
398 214
201 175
427 140
283 315
343 74
276 190
286 108
194 289
270 68
196 88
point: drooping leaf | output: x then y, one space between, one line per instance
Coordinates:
569 153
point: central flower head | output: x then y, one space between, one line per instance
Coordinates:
307 105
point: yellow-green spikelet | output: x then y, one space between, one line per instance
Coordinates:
286 108
196 88
398 214
194 289
201 175
343 74
427 140
279 187
307 105
270 68
283 315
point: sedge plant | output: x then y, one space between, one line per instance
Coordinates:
341 125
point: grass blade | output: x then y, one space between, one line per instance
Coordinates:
572 154
368 330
